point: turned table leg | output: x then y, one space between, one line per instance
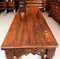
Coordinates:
9 54
50 53
42 57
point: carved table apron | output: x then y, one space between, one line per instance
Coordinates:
29 34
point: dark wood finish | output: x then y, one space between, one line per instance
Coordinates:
54 9
30 3
14 4
3 5
30 34
37 3
11 5
7 5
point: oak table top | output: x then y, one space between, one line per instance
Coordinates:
31 31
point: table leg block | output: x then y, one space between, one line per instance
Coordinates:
50 53
9 54
42 57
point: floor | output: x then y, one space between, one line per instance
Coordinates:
5 22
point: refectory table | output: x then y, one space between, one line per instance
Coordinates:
29 34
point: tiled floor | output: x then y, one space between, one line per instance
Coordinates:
5 22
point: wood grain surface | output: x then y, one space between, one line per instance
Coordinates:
31 31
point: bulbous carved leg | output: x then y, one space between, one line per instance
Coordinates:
9 54
42 57
50 53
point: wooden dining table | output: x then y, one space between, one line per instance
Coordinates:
29 34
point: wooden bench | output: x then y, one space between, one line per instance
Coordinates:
11 5
2 5
53 7
30 34
34 3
